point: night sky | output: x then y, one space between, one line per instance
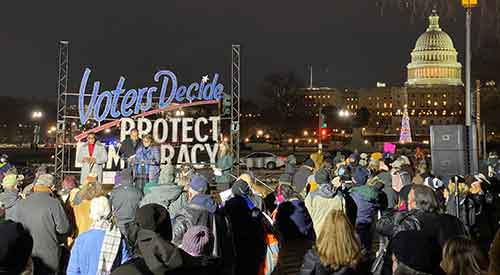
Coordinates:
348 43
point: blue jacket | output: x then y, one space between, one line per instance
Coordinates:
148 161
85 253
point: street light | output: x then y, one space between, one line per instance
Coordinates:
260 132
344 113
306 133
36 115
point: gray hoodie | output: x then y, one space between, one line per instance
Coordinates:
171 197
9 199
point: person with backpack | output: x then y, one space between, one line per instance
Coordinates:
199 211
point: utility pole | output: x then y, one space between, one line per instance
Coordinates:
320 122
471 128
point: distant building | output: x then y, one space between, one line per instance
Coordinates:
433 92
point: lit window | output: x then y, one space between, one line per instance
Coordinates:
429 102
435 103
424 122
413 103
444 103
459 103
444 95
429 95
385 105
390 105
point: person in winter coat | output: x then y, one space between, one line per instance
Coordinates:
155 254
223 167
5 166
422 215
249 244
290 163
365 197
147 163
302 174
467 208
243 188
92 155
80 205
100 249
295 227
10 196
68 186
325 258
16 244
129 146
324 199
381 170
317 158
199 211
125 199
44 217
167 194
463 256
415 253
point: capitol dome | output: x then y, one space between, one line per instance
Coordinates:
434 59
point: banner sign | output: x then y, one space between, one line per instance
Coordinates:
389 148
181 139
137 100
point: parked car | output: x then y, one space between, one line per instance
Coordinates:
263 160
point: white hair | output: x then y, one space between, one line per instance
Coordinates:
99 208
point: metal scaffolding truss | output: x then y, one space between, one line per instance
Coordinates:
235 107
61 157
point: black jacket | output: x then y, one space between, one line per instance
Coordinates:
312 266
128 149
158 256
441 227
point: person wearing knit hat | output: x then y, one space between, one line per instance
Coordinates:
100 249
45 180
322 177
198 184
197 241
167 193
376 156
10 196
414 251
360 175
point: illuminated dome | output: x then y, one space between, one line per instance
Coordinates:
434 59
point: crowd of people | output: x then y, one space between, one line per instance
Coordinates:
333 214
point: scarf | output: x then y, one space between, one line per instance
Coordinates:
42 188
110 246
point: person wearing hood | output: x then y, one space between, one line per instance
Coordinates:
5 166
93 156
44 217
100 249
154 253
324 199
243 188
199 210
302 174
167 193
295 227
10 196
125 199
